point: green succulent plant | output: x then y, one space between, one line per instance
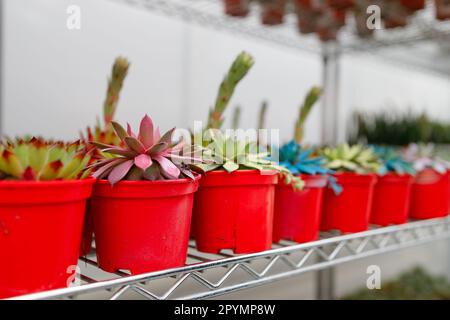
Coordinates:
38 160
238 70
310 100
355 158
231 154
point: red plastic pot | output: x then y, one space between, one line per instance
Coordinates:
234 211
413 5
442 9
40 233
448 175
350 210
391 199
341 4
273 12
430 195
297 213
236 8
142 226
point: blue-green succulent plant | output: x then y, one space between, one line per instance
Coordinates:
300 160
391 161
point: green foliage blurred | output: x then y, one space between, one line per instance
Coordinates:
416 284
383 128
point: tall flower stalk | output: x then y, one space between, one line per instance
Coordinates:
238 70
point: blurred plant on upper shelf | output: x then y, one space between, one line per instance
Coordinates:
423 156
416 284
355 158
231 153
36 159
145 156
105 133
400 129
392 161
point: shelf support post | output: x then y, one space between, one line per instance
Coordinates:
329 136
330 98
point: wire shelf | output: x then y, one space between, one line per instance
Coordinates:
210 275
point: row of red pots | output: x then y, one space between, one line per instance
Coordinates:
142 226
365 200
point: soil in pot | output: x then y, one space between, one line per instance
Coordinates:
40 234
430 195
350 210
142 226
234 211
391 199
297 213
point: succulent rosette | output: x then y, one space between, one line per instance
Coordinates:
300 160
36 159
230 153
422 157
145 156
392 161
356 158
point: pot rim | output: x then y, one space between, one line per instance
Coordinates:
147 182
218 172
49 183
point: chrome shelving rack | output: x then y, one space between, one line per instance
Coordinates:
206 275
213 275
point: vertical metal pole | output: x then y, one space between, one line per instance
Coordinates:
330 135
330 99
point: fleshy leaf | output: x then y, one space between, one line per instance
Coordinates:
167 167
119 172
143 161
146 132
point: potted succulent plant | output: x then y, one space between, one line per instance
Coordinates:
104 133
43 196
430 191
297 212
237 8
341 4
273 12
413 5
307 16
356 167
442 9
142 202
392 192
234 204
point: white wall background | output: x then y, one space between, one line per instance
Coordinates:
55 82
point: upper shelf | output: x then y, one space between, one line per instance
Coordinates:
423 44
422 27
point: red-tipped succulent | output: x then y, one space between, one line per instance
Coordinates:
146 156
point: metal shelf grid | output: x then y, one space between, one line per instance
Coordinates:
209 13
214 275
